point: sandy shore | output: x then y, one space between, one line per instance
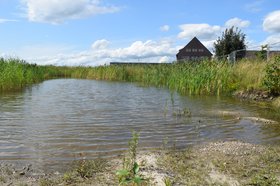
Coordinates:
216 163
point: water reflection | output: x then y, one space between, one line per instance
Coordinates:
53 122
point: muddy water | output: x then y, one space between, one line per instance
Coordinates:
53 122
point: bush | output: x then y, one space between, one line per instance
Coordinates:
272 76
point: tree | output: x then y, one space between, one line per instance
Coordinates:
232 39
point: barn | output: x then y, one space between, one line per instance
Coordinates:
193 51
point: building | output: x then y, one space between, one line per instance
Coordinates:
193 51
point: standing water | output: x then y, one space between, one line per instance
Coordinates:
53 122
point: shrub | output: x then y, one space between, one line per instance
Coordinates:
272 76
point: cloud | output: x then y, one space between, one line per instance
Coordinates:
140 49
100 44
273 41
58 11
237 22
255 6
165 28
100 53
165 59
271 22
202 31
7 20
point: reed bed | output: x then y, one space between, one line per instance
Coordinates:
206 77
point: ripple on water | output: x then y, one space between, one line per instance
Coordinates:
59 119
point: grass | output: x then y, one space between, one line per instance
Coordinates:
16 74
207 77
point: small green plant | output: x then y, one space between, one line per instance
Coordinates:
272 76
2 179
167 181
46 182
69 177
86 168
130 172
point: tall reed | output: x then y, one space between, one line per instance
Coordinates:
206 77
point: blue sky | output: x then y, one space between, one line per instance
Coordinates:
95 32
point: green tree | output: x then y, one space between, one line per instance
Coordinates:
231 40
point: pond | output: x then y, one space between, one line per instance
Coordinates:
52 123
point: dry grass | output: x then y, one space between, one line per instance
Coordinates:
249 74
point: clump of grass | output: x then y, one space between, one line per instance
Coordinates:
2 179
47 182
85 169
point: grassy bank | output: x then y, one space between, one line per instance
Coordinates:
208 77
16 74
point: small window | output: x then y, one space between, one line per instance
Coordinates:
188 50
200 50
194 50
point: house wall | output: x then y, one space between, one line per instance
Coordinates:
194 51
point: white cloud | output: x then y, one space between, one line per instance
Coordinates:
58 11
100 44
271 22
255 6
202 31
100 53
273 41
140 49
7 20
165 59
165 28
237 22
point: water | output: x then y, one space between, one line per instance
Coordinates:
51 123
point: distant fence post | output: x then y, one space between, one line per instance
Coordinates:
267 53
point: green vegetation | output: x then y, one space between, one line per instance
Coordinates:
231 40
16 74
207 77
129 174
272 76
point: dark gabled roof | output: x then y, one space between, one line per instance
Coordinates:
194 43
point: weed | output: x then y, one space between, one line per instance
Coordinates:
69 177
47 182
167 181
130 172
2 179
86 168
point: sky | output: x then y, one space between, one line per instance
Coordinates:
96 32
